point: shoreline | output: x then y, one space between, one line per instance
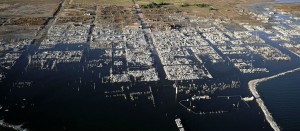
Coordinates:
11 126
252 87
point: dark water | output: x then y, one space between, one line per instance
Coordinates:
281 96
53 102
70 98
65 99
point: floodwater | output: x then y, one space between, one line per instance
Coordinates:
72 97
281 96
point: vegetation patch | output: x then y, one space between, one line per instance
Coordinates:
202 5
185 5
154 5
213 9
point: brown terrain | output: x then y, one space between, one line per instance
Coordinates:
292 8
26 17
21 18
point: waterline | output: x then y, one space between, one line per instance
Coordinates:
252 87
13 127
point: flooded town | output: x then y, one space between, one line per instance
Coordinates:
136 63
